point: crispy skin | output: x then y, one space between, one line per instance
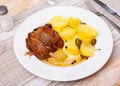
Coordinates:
43 40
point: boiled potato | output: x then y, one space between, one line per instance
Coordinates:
68 33
71 61
71 47
87 49
59 22
58 29
73 22
86 32
85 39
59 55
54 61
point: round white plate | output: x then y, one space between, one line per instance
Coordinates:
82 70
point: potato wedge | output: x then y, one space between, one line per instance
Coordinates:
59 55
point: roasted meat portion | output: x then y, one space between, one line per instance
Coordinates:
43 40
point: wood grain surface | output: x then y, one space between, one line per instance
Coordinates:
19 6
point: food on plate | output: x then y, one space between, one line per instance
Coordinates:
73 22
87 49
68 33
71 48
78 42
43 40
86 33
59 55
59 22
63 42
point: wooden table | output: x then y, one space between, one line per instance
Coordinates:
11 71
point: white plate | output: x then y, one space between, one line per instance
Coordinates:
82 70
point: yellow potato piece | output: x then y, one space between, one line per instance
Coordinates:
86 32
58 29
68 62
59 22
68 33
71 47
59 55
53 61
85 39
73 22
87 49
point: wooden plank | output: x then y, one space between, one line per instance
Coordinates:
19 6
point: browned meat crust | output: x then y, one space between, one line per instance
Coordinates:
43 40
